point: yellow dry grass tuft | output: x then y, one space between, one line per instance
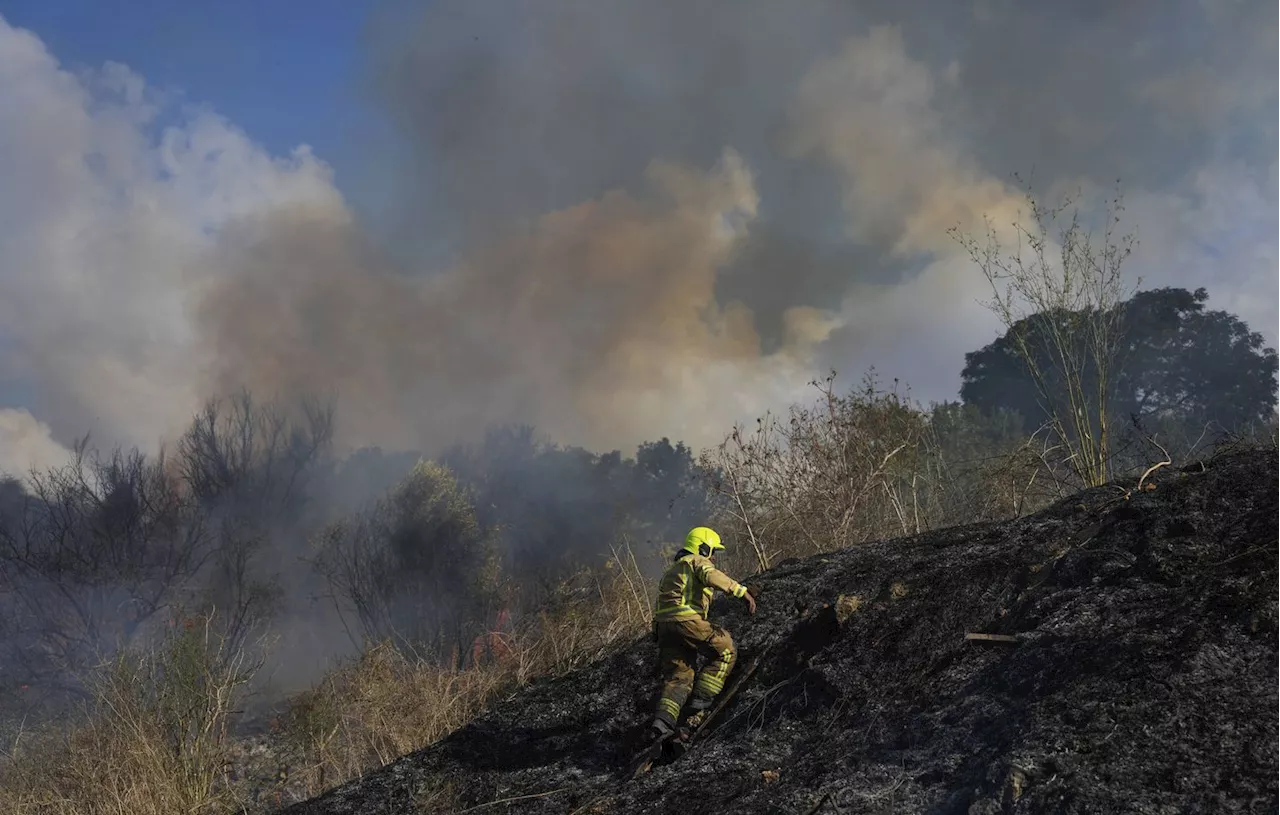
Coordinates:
153 741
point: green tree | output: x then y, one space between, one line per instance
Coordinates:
415 567
1193 365
1181 368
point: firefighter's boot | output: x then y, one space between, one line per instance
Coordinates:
660 729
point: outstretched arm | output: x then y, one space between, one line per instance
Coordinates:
712 576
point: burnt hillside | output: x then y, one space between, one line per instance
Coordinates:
1143 679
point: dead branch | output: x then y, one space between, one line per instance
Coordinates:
513 799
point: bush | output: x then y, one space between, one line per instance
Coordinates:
863 466
416 567
94 553
154 739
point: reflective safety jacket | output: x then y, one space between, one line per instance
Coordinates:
684 593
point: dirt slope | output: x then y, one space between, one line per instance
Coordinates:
1144 680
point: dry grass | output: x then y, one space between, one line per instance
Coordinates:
866 465
588 618
153 740
376 709
388 703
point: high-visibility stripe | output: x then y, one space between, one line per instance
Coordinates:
675 609
712 681
686 590
676 613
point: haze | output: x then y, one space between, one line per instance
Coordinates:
614 221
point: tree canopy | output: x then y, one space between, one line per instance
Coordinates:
1179 363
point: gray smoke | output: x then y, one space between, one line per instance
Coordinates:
617 220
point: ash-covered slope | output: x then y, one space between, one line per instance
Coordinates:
1144 679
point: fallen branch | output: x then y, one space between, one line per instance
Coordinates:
511 800
990 637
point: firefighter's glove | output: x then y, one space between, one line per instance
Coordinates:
751 602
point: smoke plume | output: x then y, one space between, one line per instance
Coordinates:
614 221
598 323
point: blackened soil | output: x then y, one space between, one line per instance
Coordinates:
1144 679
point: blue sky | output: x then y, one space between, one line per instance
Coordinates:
287 72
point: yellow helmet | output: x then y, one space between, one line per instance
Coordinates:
701 536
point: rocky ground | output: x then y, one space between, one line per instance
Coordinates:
1143 679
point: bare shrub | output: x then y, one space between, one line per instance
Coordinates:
585 617
94 550
1063 307
867 465
99 547
250 466
153 741
989 467
847 469
379 707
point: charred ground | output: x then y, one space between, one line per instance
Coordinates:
1143 680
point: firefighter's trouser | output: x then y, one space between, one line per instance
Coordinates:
679 644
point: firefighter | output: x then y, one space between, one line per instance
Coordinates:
683 633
